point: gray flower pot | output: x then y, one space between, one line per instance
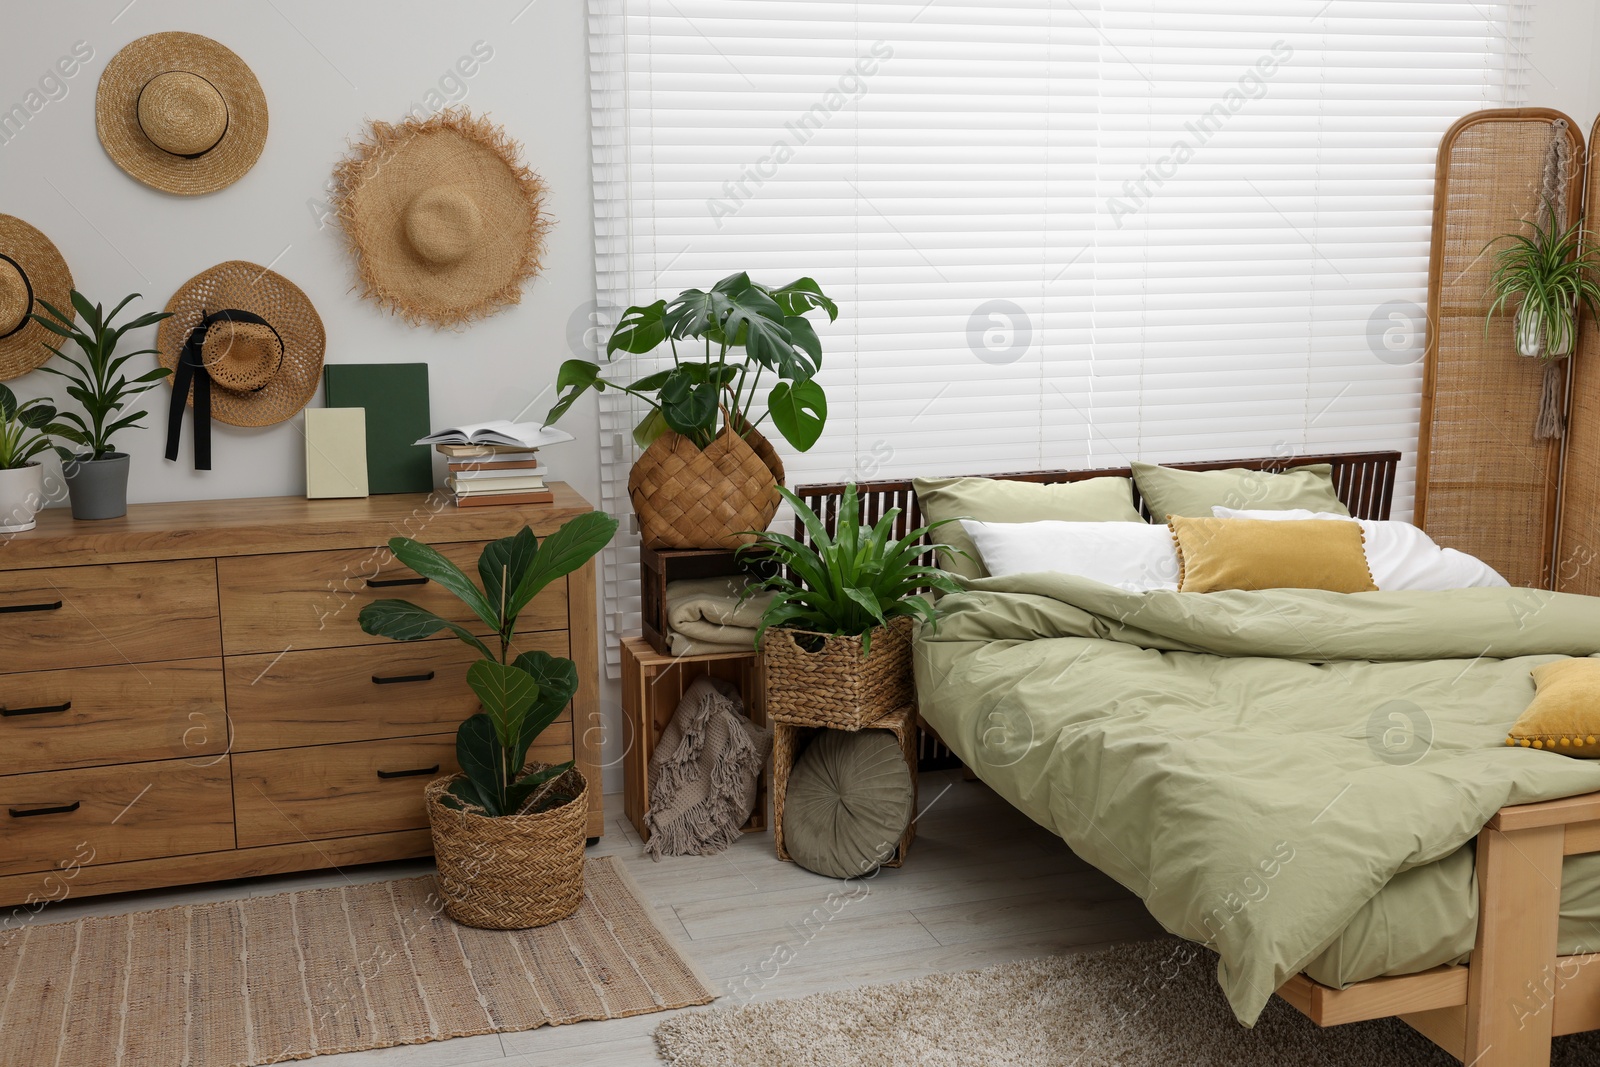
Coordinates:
98 487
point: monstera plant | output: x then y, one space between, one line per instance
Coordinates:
707 472
499 810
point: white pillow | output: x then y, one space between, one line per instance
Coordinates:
1400 555
1135 556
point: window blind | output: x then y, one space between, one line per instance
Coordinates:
1060 234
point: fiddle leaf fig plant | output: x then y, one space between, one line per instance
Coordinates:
96 379
745 329
520 694
25 430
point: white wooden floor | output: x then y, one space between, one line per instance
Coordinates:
982 885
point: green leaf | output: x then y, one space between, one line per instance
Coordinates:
87 312
501 567
690 409
803 295
506 693
650 427
429 563
479 754
799 411
577 541
640 330
576 377
557 679
8 404
401 620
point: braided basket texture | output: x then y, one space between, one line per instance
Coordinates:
834 686
515 871
689 498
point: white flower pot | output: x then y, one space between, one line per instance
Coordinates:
1531 334
21 497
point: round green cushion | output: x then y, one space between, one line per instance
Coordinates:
849 800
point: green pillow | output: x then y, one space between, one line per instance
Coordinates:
1193 493
993 500
849 800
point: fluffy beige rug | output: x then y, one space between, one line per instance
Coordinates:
1153 1003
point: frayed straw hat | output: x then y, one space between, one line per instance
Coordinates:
253 335
442 216
31 270
181 113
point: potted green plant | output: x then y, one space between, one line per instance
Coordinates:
707 474
508 836
1549 274
25 430
836 640
97 477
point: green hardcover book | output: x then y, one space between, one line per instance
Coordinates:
395 396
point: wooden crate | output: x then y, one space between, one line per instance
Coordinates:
789 740
652 686
658 566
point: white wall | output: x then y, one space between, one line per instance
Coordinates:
1563 50
325 68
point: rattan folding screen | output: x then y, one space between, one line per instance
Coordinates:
1577 550
1484 484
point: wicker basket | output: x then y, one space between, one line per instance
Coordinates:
515 871
689 498
834 686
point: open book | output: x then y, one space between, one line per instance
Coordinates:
499 432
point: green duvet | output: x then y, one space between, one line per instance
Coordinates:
1259 766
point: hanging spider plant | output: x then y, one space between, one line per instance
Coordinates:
1549 272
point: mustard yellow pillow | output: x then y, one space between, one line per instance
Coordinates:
1215 554
1565 712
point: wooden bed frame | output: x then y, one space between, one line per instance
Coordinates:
1502 1008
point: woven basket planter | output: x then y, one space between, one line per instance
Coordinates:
689 498
512 872
835 686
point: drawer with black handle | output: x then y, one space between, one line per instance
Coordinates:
134 811
325 696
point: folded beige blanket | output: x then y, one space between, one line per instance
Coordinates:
707 615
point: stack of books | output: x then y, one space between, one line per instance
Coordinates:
496 462
492 474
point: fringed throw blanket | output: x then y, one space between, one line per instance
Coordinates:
713 615
704 772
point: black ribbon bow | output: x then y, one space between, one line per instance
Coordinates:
192 369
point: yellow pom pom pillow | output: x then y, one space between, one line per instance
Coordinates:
1217 554
1565 713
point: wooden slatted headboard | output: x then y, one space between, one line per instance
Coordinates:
1364 480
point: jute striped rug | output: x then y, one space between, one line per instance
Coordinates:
268 979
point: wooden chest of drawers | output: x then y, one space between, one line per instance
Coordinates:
186 694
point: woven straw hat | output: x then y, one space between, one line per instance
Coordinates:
31 270
263 372
181 113
442 216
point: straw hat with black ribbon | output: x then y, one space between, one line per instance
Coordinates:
181 113
442 216
31 270
245 347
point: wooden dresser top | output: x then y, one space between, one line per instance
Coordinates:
195 529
